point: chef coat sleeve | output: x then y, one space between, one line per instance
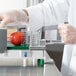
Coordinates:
49 12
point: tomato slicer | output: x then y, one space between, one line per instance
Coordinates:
4 39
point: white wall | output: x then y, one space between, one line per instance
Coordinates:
16 4
12 4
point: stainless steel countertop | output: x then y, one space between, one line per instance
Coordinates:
47 70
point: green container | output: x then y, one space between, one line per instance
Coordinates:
40 62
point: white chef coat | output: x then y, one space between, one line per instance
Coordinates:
49 12
52 12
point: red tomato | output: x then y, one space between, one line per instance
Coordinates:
17 38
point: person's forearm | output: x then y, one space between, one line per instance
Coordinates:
68 33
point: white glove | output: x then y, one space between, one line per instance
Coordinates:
13 16
68 33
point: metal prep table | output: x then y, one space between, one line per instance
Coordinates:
47 70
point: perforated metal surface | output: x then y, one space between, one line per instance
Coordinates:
3 40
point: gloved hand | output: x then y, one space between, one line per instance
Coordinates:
13 16
68 33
